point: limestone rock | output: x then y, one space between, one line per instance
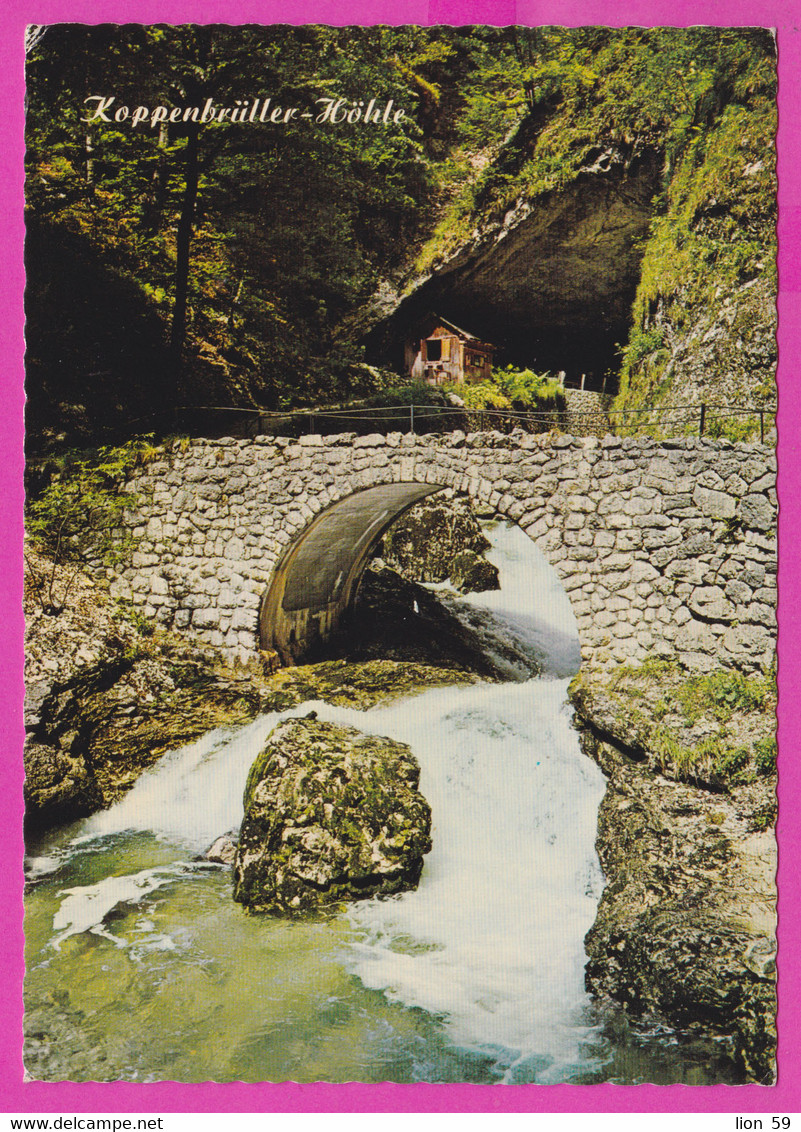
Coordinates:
760 958
58 783
105 699
331 814
223 851
685 929
423 545
471 573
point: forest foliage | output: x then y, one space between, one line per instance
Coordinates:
225 264
78 518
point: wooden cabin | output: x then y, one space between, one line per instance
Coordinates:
442 354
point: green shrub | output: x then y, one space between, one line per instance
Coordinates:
644 342
520 390
765 751
482 395
731 763
731 691
528 390
79 517
732 428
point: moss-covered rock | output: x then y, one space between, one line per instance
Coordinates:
107 693
358 685
704 317
471 573
331 815
712 729
429 544
685 930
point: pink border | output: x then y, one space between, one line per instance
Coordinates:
34 1097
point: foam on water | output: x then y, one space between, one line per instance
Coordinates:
86 907
191 795
492 940
531 606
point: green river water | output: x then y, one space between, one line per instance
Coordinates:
140 967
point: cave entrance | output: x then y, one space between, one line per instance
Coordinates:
551 284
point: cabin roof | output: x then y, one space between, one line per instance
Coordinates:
438 320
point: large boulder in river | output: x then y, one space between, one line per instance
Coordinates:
331 814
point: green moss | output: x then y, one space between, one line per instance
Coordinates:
765 752
722 692
659 709
257 772
734 428
716 233
652 668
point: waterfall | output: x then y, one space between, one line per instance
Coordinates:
489 947
492 940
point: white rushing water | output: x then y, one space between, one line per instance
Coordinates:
491 943
492 940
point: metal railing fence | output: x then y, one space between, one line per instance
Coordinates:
704 419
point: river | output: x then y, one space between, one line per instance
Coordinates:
140 967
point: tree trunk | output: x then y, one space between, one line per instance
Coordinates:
183 240
157 193
89 159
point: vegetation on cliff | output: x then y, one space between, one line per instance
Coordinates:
76 517
686 924
227 263
715 729
707 289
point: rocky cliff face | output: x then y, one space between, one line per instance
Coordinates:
107 694
685 931
641 254
720 353
550 279
704 319
440 540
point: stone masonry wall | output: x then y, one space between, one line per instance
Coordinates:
586 413
664 547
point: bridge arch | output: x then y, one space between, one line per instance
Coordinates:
666 547
316 579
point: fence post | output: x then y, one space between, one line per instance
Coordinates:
761 426
411 419
703 419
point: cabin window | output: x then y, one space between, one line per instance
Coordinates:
434 349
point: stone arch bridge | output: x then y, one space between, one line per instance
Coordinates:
663 547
